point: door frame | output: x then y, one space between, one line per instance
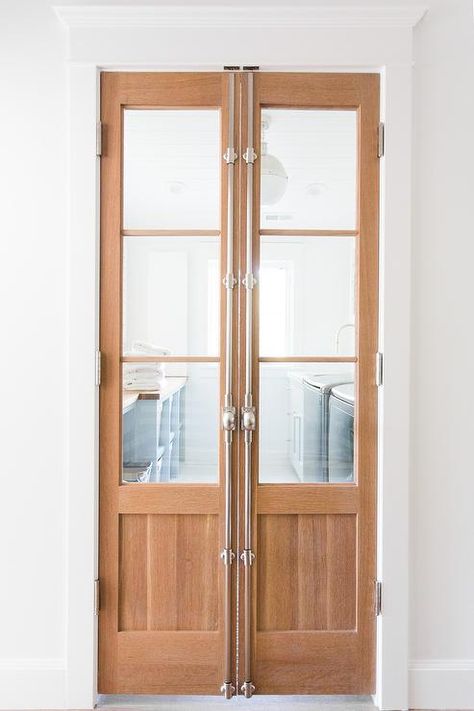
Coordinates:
381 43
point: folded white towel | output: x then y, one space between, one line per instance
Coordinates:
144 348
144 370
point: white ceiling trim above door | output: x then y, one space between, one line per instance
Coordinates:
239 17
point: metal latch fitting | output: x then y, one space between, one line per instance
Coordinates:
247 556
230 156
229 418
228 689
227 556
249 155
247 689
249 418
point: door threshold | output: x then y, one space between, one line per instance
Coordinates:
182 703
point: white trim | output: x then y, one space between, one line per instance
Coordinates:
358 49
442 683
33 683
215 17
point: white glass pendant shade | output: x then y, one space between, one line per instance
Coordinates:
274 180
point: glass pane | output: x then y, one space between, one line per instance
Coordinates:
307 296
170 422
171 169
171 290
306 423
308 169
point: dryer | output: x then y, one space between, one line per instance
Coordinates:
341 434
317 389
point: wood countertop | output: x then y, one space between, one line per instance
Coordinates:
169 388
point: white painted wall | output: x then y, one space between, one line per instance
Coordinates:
33 356
442 491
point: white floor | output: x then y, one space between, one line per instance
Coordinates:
267 703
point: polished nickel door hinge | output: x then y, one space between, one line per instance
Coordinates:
98 367
381 140
378 598
98 138
379 369
96 596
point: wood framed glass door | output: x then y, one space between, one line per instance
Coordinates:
308 614
238 313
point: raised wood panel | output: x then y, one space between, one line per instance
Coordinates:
307 498
307 572
168 572
155 662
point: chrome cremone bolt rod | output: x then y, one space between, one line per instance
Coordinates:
229 412
248 411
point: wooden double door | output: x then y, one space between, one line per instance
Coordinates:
238 403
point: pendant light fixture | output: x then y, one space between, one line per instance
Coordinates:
274 178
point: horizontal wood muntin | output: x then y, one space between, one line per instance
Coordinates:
170 359
308 359
163 498
307 498
171 233
308 233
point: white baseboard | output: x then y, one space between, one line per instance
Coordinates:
441 684
32 684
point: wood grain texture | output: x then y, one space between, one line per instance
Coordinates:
319 544
159 560
306 572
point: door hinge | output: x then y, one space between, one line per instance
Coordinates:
96 596
379 369
98 367
378 598
98 138
381 140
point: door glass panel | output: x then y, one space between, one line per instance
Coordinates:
306 423
171 289
308 169
306 288
171 169
170 422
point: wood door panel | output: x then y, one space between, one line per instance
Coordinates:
317 663
307 572
168 572
153 662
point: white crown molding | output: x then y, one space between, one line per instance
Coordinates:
238 17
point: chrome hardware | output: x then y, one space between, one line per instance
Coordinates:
249 418
378 598
229 281
96 597
231 67
250 68
249 281
98 367
248 412
229 414
381 140
229 418
227 556
379 369
98 139
230 156
249 156
247 689
228 690
247 557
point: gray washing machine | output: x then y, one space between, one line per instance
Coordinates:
341 434
317 389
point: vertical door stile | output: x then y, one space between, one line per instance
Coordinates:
229 416
248 417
